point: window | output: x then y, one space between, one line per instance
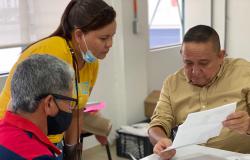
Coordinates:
165 22
8 57
23 22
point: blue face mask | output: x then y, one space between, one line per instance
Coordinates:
88 55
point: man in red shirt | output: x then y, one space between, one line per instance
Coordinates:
41 90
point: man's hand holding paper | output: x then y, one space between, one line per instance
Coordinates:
238 121
161 145
200 126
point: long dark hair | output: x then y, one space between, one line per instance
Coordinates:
88 15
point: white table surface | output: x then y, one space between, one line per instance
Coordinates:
197 152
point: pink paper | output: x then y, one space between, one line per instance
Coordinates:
94 107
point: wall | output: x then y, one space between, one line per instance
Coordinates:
135 61
218 19
197 12
238 28
160 64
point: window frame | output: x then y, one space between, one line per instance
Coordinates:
182 30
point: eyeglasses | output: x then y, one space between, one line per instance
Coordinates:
73 101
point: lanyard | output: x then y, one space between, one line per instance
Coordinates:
77 79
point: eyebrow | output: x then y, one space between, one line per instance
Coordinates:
204 60
187 60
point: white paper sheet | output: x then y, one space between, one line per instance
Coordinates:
152 157
200 126
242 157
192 152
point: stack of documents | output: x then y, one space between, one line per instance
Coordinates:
200 126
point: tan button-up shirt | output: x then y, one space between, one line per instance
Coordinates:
179 98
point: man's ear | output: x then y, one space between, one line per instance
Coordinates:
78 35
50 106
221 55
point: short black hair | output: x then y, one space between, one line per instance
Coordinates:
202 34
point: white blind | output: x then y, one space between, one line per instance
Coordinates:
25 21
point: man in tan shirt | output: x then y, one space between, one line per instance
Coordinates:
207 80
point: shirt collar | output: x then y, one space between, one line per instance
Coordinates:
24 124
218 75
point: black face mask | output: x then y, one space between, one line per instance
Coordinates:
59 123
